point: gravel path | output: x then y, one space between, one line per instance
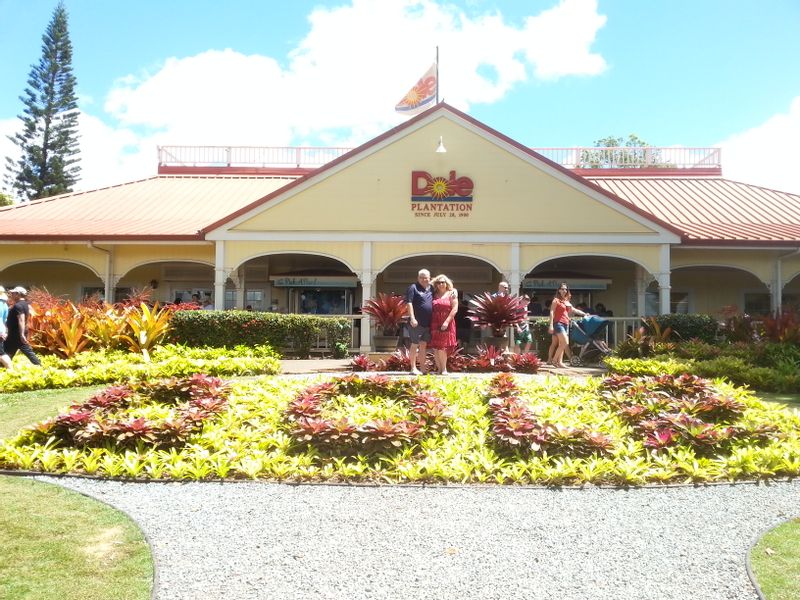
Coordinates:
262 541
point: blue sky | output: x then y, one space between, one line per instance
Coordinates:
545 72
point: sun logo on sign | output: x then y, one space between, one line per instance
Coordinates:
439 188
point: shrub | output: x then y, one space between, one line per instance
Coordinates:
229 328
687 327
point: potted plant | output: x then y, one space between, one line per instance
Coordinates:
498 312
388 312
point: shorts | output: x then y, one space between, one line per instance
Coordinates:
523 337
420 333
2 347
560 328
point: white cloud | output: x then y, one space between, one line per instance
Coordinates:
765 155
346 75
340 84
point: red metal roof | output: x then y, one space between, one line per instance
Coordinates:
159 208
713 210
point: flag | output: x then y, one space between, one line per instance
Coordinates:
420 97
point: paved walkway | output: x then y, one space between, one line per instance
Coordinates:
334 365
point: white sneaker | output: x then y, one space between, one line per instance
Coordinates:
416 372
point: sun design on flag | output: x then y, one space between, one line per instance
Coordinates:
439 188
414 96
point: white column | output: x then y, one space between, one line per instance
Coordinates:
663 277
514 277
776 289
219 275
237 277
367 281
641 288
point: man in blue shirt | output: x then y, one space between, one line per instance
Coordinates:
419 303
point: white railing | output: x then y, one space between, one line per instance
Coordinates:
634 157
247 156
311 157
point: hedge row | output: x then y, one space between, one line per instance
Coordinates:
286 332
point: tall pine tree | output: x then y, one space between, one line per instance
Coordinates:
49 137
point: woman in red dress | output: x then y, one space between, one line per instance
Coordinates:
443 324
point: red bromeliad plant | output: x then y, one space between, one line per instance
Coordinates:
427 412
388 312
497 312
680 410
105 418
515 425
489 359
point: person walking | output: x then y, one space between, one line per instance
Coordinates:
419 304
17 325
5 360
560 311
443 321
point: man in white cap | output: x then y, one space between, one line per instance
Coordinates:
5 360
17 325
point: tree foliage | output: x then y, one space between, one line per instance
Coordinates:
617 152
6 200
48 141
633 141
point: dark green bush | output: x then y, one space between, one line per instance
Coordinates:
292 333
687 327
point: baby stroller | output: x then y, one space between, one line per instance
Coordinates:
587 337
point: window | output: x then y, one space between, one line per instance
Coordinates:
757 303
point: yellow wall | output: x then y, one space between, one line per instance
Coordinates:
11 254
374 194
60 279
712 289
647 256
237 253
131 256
384 254
760 263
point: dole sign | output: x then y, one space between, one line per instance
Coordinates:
440 197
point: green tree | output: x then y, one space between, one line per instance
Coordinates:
617 152
48 140
6 200
633 141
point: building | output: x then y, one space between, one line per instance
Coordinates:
313 230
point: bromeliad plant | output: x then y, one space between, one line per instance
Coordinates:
161 414
388 312
498 312
489 359
314 417
516 426
669 411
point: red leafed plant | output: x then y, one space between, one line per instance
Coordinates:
498 312
105 417
682 410
515 425
426 412
387 310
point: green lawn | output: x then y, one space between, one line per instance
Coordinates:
776 562
57 543
790 400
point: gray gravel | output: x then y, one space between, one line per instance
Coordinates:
261 540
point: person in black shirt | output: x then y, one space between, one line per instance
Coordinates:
17 325
419 303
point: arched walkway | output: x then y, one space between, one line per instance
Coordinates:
60 278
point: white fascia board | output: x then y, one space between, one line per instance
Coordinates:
464 237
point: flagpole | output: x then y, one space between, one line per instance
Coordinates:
437 74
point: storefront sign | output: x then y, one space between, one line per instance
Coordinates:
438 197
314 282
573 284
